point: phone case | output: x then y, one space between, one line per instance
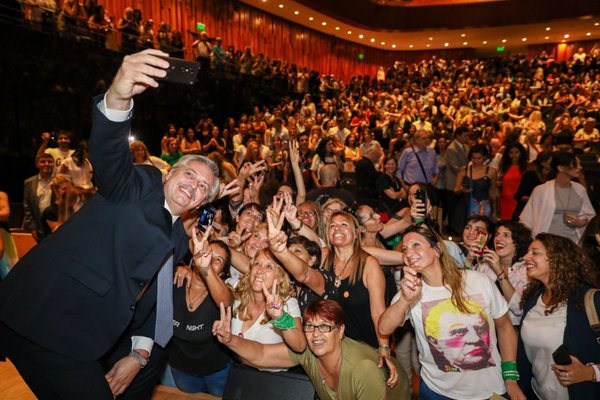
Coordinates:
561 355
181 71
481 241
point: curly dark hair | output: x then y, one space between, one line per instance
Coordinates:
521 237
570 270
505 162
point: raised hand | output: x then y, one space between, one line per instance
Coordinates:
289 209
230 188
222 327
256 182
182 274
274 303
277 238
490 257
294 152
237 237
410 284
202 253
251 169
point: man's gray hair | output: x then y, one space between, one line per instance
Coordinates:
189 158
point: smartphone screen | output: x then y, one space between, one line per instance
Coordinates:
481 241
205 218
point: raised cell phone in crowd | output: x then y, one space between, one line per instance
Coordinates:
481 241
206 216
421 194
181 71
561 355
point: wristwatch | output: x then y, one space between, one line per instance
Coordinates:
139 358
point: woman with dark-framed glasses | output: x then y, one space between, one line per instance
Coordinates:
338 367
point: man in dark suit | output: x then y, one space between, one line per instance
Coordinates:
68 302
457 157
37 195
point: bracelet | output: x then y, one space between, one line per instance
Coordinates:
299 227
285 322
204 271
509 371
139 358
386 348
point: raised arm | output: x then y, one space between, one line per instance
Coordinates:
295 163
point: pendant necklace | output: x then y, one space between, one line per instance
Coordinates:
338 281
324 379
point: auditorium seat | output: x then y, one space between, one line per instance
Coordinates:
24 242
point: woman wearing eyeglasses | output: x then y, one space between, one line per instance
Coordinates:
460 320
338 367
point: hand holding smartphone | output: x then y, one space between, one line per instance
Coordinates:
561 355
206 216
181 71
480 243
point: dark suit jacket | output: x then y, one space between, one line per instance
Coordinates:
31 211
77 291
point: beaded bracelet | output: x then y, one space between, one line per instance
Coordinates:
285 322
384 347
509 371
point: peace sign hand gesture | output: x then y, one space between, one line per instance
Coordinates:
202 251
222 327
273 301
232 187
277 238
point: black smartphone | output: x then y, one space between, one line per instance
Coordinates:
206 216
181 71
561 355
421 194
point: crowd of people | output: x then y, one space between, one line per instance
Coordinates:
448 194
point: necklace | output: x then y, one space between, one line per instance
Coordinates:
338 280
192 304
335 367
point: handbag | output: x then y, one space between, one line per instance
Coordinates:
592 313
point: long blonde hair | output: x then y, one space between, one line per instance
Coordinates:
243 291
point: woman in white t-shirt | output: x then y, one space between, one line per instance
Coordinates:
78 167
460 320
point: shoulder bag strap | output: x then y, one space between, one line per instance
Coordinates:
592 313
421 165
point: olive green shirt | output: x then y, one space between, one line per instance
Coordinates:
360 378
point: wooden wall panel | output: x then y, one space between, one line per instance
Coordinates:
240 25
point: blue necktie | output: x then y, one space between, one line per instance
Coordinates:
164 304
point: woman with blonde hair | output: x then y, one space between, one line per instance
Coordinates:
141 155
460 320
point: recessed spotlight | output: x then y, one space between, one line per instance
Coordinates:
349 32
337 28
566 36
484 42
393 46
462 35
465 43
563 40
281 6
361 36
324 23
383 43
547 28
588 34
547 37
296 12
446 44
264 1
597 24
372 40
310 18
503 40
524 39
430 38
410 45
427 45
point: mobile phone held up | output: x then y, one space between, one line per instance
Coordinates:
181 71
561 355
421 194
481 241
206 216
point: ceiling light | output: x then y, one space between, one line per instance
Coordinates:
410 45
563 40
324 23
462 35
524 39
281 6
503 40
484 42
427 45
547 37
446 44
349 32
360 36
588 34
597 24
310 18
296 12
264 1
547 28
337 28
383 43
465 43
372 40
566 36
430 38
393 46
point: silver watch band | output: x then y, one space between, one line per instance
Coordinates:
139 358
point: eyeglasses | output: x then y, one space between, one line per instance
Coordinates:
309 213
323 328
363 219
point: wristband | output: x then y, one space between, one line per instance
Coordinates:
384 347
299 227
285 322
509 371
139 358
